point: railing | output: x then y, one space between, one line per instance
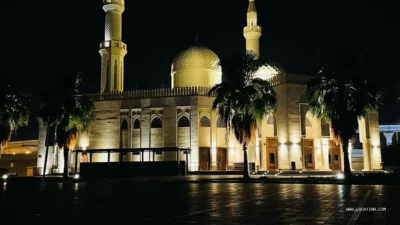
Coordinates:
108 44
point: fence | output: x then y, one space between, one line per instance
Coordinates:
219 166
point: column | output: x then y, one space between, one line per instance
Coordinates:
366 155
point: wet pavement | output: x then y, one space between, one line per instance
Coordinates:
116 202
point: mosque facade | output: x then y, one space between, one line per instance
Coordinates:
181 116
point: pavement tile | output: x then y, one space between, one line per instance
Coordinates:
316 222
193 203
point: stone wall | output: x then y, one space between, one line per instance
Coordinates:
105 131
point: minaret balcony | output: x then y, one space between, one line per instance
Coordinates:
252 29
114 44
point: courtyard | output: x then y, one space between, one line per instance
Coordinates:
172 202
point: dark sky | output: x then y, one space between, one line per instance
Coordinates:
43 39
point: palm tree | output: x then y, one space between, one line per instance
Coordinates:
242 101
14 112
340 96
69 112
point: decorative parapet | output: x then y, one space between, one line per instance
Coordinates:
291 78
151 93
188 91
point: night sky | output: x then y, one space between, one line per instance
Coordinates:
45 39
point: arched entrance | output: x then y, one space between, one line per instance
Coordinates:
334 156
272 154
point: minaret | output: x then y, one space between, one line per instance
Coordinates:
112 49
252 32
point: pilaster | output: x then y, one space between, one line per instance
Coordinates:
375 150
194 131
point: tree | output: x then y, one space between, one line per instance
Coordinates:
70 112
340 96
241 101
14 112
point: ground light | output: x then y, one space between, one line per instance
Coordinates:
77 176
340 176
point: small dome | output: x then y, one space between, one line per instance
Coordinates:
195 57
267 71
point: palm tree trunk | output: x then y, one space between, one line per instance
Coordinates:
246 173
66 162
347 171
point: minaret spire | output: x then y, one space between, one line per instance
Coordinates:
252 32
112 49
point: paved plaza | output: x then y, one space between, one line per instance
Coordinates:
151 202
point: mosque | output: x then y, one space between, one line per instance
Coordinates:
181 116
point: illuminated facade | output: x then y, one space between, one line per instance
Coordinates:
181 116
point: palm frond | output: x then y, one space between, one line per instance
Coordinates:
242 101
340 96
14 112
68 109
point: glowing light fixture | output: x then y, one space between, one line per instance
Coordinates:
340 176
84 141
77 176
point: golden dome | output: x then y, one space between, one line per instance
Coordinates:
195 57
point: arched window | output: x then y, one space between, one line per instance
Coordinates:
271 120
325 129
184 122
156 123
124 125
136 124
221 123
205 122
308 122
